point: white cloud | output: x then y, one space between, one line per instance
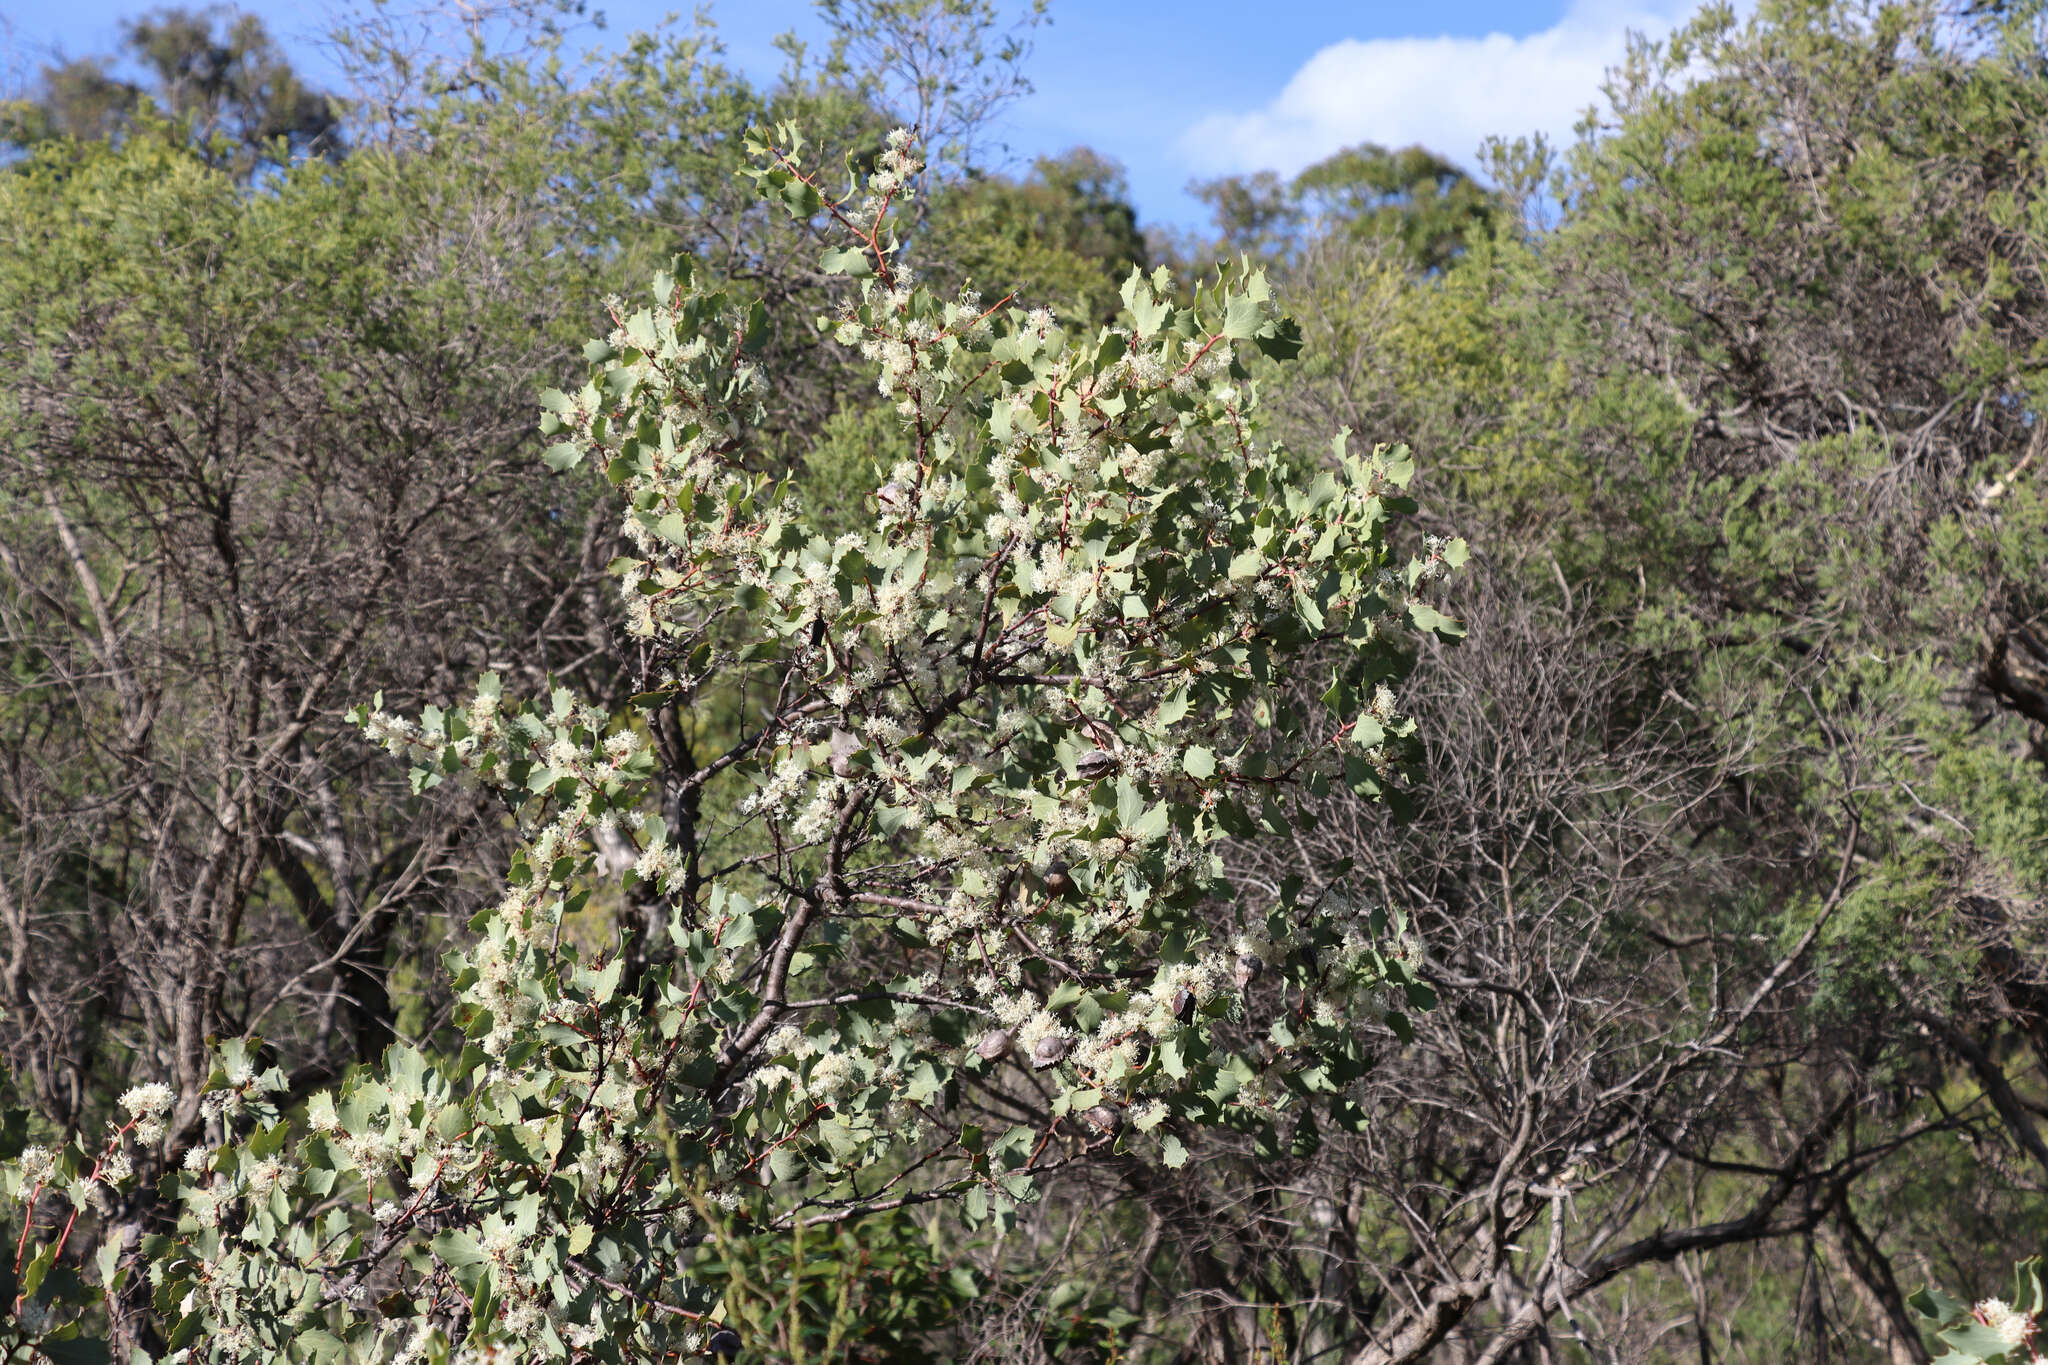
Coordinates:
1449 94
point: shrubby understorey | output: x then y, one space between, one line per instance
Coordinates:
935 923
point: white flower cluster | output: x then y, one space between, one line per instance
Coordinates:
1434 565
146 1106
34 1167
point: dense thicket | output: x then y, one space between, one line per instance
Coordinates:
1741 910
1727 867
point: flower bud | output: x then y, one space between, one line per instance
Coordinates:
1051 1050
994 1044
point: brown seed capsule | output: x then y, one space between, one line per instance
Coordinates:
1184 1006
1058 879
845 744
1107 1119
995 1043
1050 1051
1248 970
1096 764
724 1343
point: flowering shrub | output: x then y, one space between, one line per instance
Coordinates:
1992 1331
962 830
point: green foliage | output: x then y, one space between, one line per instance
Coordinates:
1995 1331
1757 409
1066 234
999 703
250 408
998 732
1424 210
883 1290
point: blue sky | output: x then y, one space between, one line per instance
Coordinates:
1174 92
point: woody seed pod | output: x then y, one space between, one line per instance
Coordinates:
1249 968
1107 1119
1058 879
1050 1051
1184 1006
1096 763
994 1044
724 1343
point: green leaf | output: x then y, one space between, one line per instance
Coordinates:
1130 803
1975 1341
800 199
457 1248
847 260
1430 619
319 1344
1153 824
1243 318
1935 1306
38 1266
1279 339
1148 312
80 1350
1199 762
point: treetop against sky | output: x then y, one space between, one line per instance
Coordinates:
1305 80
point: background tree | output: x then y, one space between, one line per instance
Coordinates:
214 70
1065 233
944 67
215 499
1422 208
1726 428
